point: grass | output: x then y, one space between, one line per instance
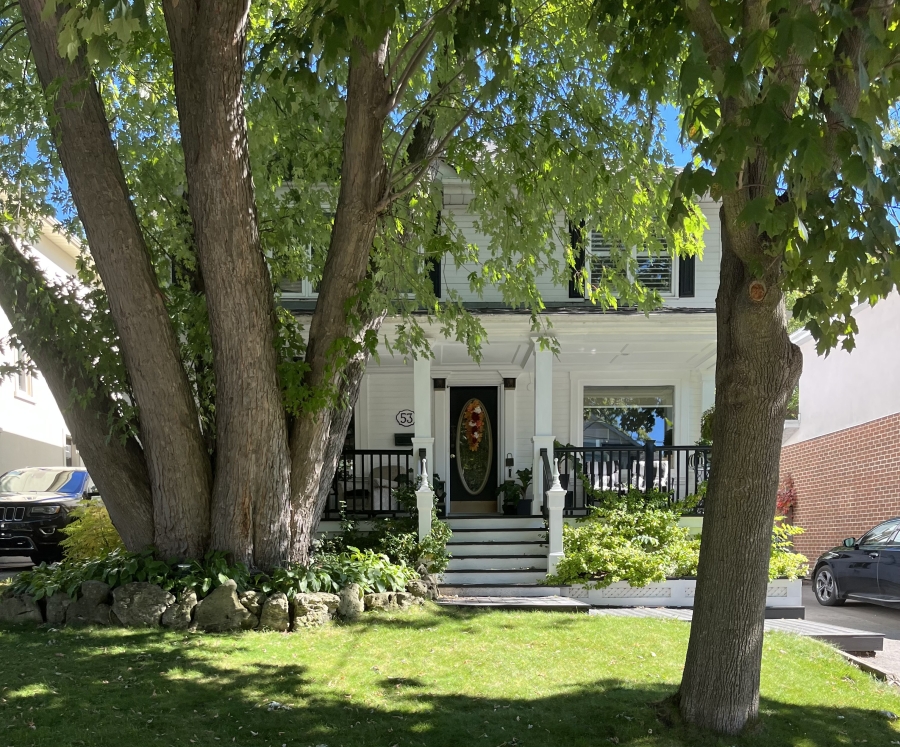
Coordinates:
429 677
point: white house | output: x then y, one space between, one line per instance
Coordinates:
32 430
621 378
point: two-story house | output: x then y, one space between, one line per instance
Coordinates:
619 380
32 430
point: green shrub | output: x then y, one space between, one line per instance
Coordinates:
397 537
91 534
617 544
641 547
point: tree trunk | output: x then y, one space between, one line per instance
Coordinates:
757 367
117 468
336 364
177 462
251 491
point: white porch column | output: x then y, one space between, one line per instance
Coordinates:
708 391
509 427
556 499
543 420
424 436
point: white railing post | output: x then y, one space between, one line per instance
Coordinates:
424 501
556 501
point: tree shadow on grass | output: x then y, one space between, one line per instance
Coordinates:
106 688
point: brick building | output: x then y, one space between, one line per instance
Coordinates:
843 454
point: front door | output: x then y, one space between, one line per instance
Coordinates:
473 449
856 570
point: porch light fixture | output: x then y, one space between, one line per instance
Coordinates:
510 463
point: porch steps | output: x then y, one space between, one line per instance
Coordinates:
492 551
551 603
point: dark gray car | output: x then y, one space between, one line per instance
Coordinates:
865 569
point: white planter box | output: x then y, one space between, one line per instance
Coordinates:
675 593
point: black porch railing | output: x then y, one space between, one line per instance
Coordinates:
587 472
365 481
547 473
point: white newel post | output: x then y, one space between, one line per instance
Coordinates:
556 499
424 501
543 420
423 437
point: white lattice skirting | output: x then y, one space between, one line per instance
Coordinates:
675 593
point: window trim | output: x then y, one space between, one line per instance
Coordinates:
672 293
25 394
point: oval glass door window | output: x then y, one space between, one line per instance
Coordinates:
474 446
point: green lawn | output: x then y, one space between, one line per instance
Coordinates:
429 677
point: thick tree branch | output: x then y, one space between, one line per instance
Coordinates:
170 432
251 493
116 466
716 44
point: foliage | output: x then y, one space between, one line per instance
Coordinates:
642 546
513 492
617 544
706 427
331 572
91 534
787 496
635 500
396 537
783 561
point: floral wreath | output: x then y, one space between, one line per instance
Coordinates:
473 419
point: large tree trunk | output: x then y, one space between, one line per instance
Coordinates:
251 491
117 468
757 367
336 364
177 462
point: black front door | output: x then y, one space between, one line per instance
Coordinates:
474 443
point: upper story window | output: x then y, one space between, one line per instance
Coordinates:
655 272
24 378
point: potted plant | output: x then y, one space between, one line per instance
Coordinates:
509 493
523 506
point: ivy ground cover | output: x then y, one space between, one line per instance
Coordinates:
431 677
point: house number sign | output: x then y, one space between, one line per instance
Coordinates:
406 418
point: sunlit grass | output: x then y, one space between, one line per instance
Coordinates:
428 677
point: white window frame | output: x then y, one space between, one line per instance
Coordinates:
24 380
596 242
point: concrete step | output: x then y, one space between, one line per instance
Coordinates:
495 577
544 603
497 562
495 522
463 549
494 535
499 590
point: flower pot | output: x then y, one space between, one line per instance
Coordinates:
510 509
524 507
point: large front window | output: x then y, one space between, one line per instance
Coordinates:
628 415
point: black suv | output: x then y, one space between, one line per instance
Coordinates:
35 504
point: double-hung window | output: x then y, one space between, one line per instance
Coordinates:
24 378
653 271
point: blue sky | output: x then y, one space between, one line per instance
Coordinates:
672 131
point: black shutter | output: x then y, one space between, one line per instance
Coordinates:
576 237
686 269
435 271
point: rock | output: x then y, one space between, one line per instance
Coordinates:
91 608
178 616
418 588
20 610
404 599
383 600
253 601
276 613
57 604
351 605
222 611
311 610
141 604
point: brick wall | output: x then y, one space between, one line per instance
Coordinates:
846 482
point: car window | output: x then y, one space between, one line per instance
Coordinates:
881 534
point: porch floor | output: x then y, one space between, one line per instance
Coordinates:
555 603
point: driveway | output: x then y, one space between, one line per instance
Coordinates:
862 616
11 566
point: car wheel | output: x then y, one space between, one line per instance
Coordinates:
826 588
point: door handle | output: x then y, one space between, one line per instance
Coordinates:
453 456
873 554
